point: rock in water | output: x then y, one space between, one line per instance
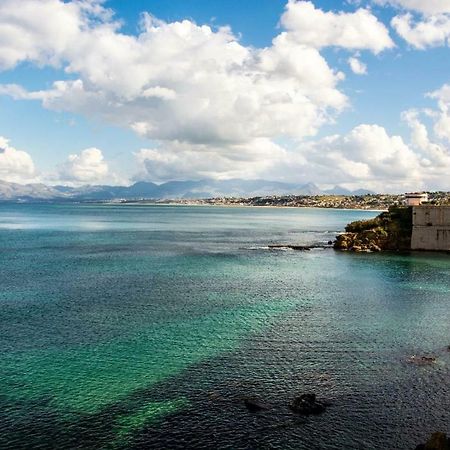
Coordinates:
391 230
437 441
307 404
254 404
422 360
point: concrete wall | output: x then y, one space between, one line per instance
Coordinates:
431 228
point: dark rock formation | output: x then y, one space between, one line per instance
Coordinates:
307 404
422 360
255 404
437 441
391 230
291 247
304 248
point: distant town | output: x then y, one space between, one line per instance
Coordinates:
368 201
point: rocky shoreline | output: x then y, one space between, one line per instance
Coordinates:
390 230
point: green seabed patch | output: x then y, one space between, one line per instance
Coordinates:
88 380
127 425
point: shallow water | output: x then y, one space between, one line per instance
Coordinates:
146 326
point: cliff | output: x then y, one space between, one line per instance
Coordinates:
391 230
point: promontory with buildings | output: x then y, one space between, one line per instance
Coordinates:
366 201
418 224
413 221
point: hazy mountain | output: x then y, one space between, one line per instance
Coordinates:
15 191
339 190
169 190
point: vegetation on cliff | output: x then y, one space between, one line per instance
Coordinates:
391 230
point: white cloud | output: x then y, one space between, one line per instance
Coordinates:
87 167
423 6
431 31
219 109
436 158
313 27
367 156
430 139
185 82
425 24
197 91
15 165
181 160
442 124
357 66
42 31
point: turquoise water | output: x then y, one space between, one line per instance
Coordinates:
146 326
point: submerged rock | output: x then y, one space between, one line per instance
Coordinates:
297 247
307 404
437 441
290 247
255 404
422 360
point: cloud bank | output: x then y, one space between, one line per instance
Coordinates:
87 167
189 86
213 107
15 165
426 23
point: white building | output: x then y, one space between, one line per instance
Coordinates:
415 198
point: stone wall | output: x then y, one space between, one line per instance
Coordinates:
431 228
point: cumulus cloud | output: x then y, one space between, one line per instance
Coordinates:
426 23
357 66
442 123
367 156
432 31
87 167
313 27
430 138
429 7
15 165
181 81
28 34
435 157
213 106
181 160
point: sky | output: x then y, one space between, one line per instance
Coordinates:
353 92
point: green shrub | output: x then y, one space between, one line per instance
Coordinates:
363 225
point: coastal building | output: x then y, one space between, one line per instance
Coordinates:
415 198
431 228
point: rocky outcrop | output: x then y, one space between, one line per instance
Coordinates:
437 441
391 230
307 404
255 404
422 360
303 248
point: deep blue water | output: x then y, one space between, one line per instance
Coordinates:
147 326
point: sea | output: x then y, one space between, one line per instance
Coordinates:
148 326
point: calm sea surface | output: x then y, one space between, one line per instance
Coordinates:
147 326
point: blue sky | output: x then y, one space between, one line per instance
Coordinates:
343 117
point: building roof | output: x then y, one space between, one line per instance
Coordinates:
415 194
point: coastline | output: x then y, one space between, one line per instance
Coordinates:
215 205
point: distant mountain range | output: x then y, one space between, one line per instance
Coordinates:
169 190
